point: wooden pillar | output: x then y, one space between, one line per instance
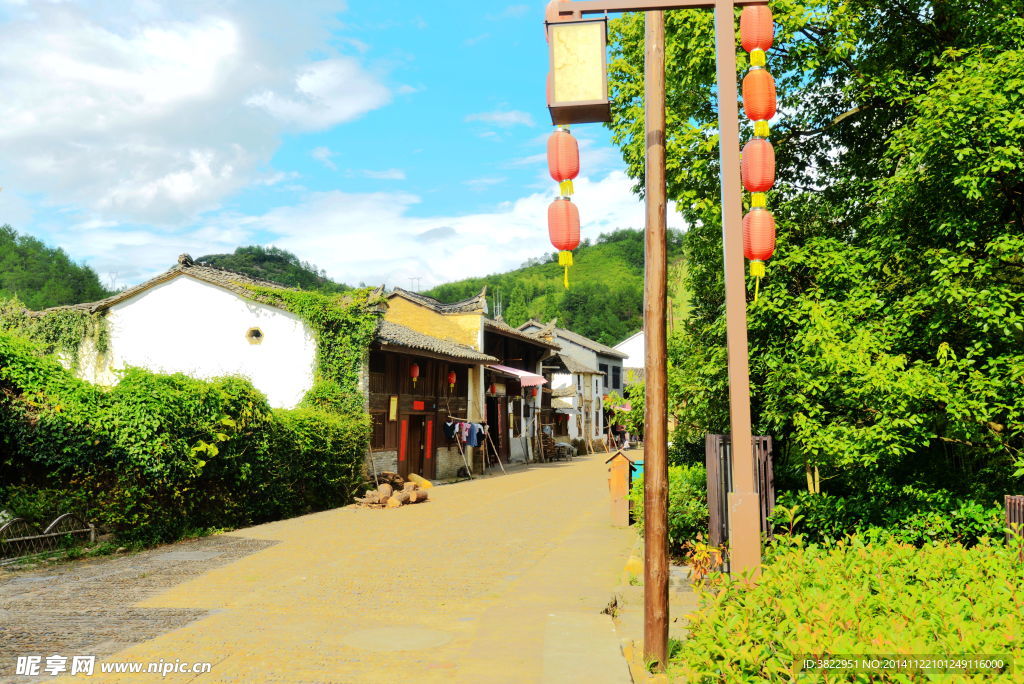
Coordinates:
656 266
744 521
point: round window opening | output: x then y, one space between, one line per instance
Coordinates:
254 335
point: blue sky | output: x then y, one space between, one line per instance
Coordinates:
378 140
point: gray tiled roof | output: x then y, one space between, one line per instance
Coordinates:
569 391
393 334
507 330
569 335
477 304
222 277
575 366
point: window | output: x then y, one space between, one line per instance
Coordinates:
604 369
616 377
379 437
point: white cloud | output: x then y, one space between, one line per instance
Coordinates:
323 155
155 112
325 94
386 174
368 237
503 118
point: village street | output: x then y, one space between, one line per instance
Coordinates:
498 580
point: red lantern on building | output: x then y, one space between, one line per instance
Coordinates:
563 159
759 95
451 380
493 389
533 392
757 31
564 231
758 167
414 373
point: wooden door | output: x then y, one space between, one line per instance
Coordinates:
414 447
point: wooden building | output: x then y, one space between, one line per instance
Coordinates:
409 416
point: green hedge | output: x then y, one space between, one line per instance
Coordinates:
687 505
857 598
161 456
908 515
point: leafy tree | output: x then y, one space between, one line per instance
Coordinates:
604 301
41 276
887 339
276 265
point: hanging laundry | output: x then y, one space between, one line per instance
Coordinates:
449 430
464 431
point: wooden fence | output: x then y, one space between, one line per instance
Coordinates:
1014 514
718 458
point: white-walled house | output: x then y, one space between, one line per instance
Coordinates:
635 361
594 368
203 322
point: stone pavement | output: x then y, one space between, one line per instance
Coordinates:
497 580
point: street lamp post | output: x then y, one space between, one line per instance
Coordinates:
744 520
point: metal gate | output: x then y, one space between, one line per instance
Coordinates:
718 459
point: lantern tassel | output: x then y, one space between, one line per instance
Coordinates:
761 129
757 271
757 57
565 259
565 187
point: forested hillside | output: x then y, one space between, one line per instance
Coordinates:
41 276
277 265
605 296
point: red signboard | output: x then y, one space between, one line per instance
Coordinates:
418 406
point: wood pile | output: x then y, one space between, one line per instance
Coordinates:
393 491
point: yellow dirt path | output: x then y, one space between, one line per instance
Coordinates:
479 584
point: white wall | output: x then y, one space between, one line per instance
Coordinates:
634 346
189 326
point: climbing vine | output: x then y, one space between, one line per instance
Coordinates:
61 331
344 326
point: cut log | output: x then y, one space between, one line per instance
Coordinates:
393 479
410 486
371 497
385 491
417 496
423 482
393 502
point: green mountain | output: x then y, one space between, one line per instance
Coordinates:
277 265
605 297
41 276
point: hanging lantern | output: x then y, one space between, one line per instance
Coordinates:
757 31
563 159
451 380
759 97
564 231
493 389
414 373
758 243
758 167
533 392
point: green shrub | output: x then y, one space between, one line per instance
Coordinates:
908 515
687 505
857 598
158 457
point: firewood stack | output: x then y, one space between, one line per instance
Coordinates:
392 492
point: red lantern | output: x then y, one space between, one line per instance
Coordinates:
758 167
493 389
759 95
564 231
563 159
756 28
451 380
759 235
414 373
533 391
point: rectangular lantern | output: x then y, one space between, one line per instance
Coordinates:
578 89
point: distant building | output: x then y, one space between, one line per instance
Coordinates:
634 363
593 368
